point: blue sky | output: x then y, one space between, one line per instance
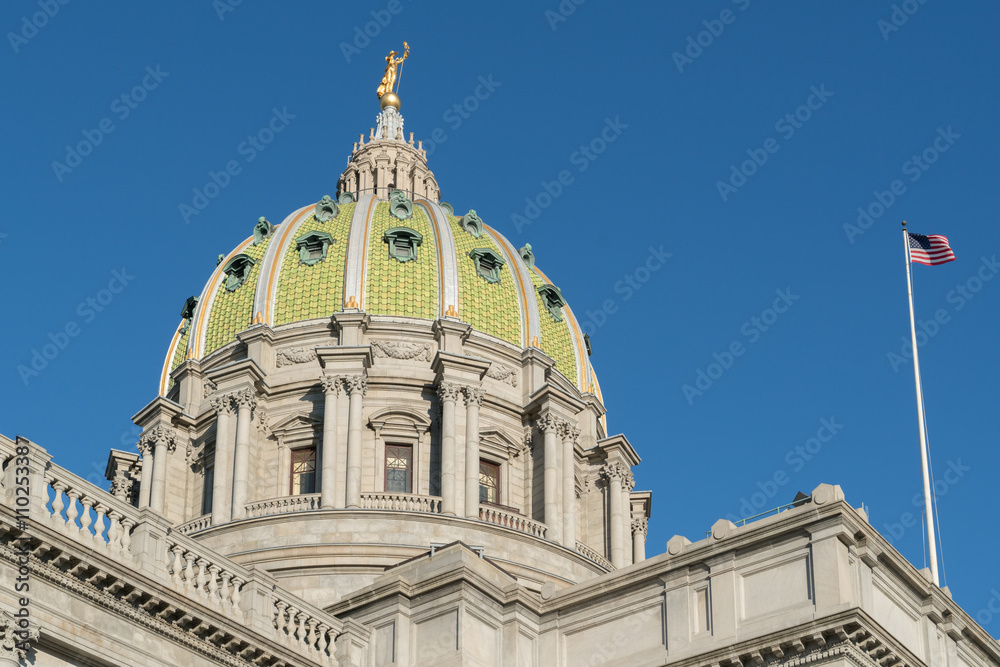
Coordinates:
746 137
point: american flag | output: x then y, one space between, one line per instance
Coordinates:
930 250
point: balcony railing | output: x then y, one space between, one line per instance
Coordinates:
508 519
401 502
286 505
590 553
194 525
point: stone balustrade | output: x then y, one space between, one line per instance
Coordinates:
508 519
285 505
194 525
404 502
72 521
201 574
306 629
592 554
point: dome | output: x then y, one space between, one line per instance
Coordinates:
389 253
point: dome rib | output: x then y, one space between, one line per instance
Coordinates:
270 270
531 324
576 338
171 352
448 288
357 250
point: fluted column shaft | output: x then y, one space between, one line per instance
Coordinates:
160 440
614 473
473 400
356 387
448 394
221 491
146 479
551 477
569 435
628 483
638 540
246 404
328 478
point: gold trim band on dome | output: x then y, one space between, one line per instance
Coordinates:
171 351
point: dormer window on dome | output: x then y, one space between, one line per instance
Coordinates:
553 299
403 243
313 247
237 271
473 224
488 264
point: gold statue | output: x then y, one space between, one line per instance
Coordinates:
389 78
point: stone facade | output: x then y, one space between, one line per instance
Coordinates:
354 484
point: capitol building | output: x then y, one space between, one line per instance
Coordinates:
379 442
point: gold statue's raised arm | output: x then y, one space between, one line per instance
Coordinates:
389 78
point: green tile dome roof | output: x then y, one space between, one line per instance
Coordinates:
360 255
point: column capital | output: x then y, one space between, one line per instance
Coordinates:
448 391
333 384
615 471
356 383
568 431
549 422
158 435
640 526
14 641
245 398
473 395
222 404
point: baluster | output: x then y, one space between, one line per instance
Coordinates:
114 532
279 618
213 581
309 626
126 540
189 571
224 592
321 644
87 503
238 582
300 628
178 565
57 501
99 524
71 510
202 577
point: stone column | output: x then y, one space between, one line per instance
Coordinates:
246 403
448 394
639 528
162 440
613 475
473 401
221 491
328 477
356 386
549 426
569 435
146 475
628 483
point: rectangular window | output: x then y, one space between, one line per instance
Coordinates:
303 471
399 468
489 482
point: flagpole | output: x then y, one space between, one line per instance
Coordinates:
928 508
